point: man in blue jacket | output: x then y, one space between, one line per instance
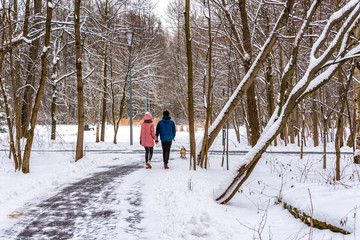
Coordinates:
167 131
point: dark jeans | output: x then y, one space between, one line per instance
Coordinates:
166 151
148 153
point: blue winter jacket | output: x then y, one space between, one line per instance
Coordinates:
166 129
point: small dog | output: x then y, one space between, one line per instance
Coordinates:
183 152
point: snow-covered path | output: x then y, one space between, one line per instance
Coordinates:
92 208
175 204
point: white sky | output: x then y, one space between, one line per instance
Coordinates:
160 9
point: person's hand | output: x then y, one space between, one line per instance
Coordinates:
156 141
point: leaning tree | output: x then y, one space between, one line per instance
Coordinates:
328 53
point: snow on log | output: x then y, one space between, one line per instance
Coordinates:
310 221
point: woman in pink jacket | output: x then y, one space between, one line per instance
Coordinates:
147 137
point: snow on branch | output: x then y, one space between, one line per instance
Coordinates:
88 75
250 75
309 83
334 19
63 77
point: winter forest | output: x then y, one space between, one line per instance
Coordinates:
250 84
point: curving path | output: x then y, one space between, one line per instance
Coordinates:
92 208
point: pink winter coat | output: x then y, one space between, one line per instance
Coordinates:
147 134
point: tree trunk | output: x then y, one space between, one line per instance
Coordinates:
227 146
103 115
204 150
79 80
315 123
252 110
190 85
103 119
253 117
30 138
15 87
356 76
325 133
98 125
53 113
302 141
350 142
292 124
236 125
14 147
339 127
7 112
113 113
269 89
54 97
26 18
30 80
244 112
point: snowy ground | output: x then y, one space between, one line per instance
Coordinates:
178 203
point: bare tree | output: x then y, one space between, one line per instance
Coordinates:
58 47
31 68
339 123
39 93
208 103
9 44
190 85
249 77
105 90
320 69
79 80
356 77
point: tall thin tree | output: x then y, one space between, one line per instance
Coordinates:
39 94
204 151
31 67
105 89
190 85
79 80
356 77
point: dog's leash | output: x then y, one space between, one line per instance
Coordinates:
176 144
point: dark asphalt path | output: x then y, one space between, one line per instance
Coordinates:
86 209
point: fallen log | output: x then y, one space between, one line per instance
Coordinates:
310 221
